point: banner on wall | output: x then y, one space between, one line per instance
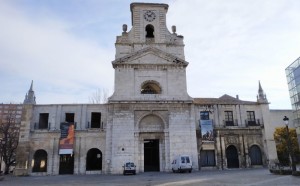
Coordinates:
66 140
206 130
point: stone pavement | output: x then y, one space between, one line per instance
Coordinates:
204 178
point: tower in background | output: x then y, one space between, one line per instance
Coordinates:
30 97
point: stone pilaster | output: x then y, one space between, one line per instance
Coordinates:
23 150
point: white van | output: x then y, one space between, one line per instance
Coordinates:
182 163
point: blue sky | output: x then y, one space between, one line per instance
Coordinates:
66 47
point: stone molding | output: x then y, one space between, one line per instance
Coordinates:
135 55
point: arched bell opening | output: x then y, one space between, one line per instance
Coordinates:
149 31
150 87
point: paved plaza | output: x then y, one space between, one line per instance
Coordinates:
203 178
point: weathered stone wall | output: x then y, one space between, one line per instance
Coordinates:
23 150
169 123
240 135
32 138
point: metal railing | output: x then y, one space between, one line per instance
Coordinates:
38 126
248 123
230 122
95 125
257 122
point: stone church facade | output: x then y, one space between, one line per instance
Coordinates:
149 119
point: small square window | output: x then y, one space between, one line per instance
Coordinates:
70 117
43 121
95 119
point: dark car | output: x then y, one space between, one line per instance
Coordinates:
129 168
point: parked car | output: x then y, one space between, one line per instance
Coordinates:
182 163
129 168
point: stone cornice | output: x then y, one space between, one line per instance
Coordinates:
165 6
149 66
174 60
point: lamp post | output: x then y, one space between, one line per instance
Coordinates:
290 150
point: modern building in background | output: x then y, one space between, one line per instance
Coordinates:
150 119
293 79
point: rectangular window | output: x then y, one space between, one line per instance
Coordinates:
96 120
43 121
204 115
251 118
70 117
229 118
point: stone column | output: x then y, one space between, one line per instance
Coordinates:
167 152
217 152
58 118
242 158
108 142
248 163
224 158
136 155
77 156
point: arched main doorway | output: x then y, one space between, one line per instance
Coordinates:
94 160
39 161
232 157
255 155
152 137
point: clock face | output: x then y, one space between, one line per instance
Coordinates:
149 15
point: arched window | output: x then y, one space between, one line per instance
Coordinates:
149 31
94 159
150 87
255 155
39 161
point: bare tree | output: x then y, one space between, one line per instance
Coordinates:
10 119
100 96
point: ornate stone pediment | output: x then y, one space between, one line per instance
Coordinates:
232 139
150 55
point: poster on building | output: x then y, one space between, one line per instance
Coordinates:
206 130
66 141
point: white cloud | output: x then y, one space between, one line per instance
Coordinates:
47 53
232 44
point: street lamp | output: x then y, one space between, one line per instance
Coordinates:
290 150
